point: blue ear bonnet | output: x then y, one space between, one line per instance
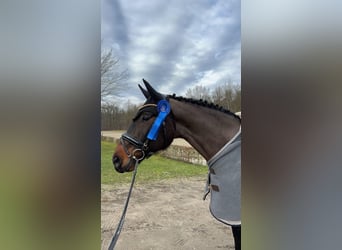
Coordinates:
164 109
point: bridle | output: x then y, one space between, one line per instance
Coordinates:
141 148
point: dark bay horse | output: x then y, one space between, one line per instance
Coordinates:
205 126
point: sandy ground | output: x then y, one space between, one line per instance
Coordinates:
117 134
162 215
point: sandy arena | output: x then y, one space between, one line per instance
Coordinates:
166 215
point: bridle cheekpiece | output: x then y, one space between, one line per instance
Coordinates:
161 110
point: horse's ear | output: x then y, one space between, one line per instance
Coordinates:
145 92
153 93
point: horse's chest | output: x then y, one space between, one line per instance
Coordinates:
225 183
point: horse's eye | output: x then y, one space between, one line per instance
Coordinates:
147 116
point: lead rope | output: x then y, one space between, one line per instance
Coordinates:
122 220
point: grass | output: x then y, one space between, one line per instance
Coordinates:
152 169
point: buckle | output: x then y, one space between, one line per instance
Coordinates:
135 157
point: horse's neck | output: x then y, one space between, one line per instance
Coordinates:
207 130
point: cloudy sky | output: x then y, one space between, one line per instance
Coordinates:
176 44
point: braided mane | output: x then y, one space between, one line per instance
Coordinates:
204 103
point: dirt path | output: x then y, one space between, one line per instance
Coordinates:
163 215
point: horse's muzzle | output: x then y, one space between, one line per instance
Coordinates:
117 164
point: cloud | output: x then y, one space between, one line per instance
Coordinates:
176 44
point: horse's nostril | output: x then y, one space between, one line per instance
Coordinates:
116 161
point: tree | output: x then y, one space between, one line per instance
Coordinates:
113 117
218 96
236 102
112 75
199 92
228 96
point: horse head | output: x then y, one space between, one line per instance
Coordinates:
151 130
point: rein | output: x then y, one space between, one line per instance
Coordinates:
122 219
163 109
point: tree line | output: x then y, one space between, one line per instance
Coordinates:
113 83
227 95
